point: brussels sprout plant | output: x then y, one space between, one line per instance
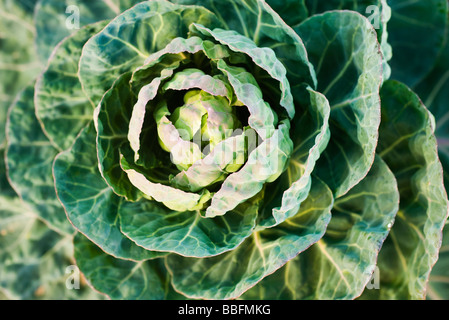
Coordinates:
239 149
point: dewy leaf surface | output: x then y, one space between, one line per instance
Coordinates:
344 50
408 145
61 105
343 261
29 157
228 275
90 204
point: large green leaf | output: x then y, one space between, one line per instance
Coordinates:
377 11
155 227
344 50
90 204
438 286
18 62
408 145
412 23
230 274
29 158
35 259
130 38
61 105
56 19
121 279
343 261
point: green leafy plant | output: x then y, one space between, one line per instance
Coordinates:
242 149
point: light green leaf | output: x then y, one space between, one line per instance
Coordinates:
130 38
37 263
261 116
265 164
310 135
343 261
154 227
120 279
228 275
5 187
408 145
227 156
61 105
344 50
90 204
29 157
173 198
265 58
195 78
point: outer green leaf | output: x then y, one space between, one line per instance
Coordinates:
90 204
154 227
408 145
5 188
412 23
228 275
292 11
34 258
130 38
56 19
29 157
119 279
343 261
18 62
377 11
173 198
438 286
344 50
61 105
434 92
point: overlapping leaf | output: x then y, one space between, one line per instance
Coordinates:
343 261
31 175
408 145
